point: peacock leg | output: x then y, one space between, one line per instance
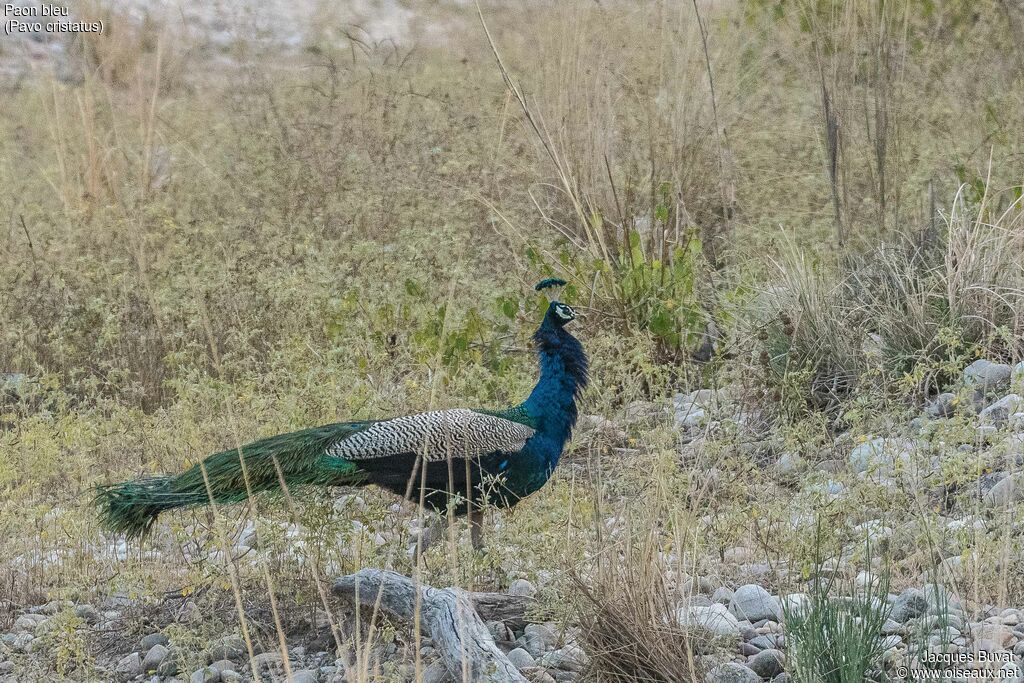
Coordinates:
476 528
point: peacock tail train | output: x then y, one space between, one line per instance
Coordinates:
299 458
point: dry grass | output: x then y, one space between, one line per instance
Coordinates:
197 255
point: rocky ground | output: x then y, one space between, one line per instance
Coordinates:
744 618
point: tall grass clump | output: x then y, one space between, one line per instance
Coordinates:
832 633
639 183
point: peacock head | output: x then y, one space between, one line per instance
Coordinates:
558 314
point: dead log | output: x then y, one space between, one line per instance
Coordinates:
448 615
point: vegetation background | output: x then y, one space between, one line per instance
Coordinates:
811 207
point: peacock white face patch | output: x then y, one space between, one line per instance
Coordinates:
565 312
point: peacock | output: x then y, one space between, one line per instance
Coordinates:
458 460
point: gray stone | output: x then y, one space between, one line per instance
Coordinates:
910 604
722 595
539 639
129 665
987 375
170 664
304 676
944 405
230 676
155 656
789 464
730 672
715 618
27 623
87 613
205 675
767 663
437 672
999 413
229 647
753 603
1008 490
569 658
521 659
766 642
522 587
267 661
152 639
223 665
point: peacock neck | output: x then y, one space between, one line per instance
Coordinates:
563 374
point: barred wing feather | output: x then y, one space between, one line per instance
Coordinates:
436 435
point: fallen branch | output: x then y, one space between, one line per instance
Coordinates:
451 616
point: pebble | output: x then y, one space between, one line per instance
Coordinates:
154 657
730 672
539 638
715 618
129 665
910 604
522 587
437 672
229 647
205 675
521 659
767 663
304 676
569 658
988 376
752 602
152 639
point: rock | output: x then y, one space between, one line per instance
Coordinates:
87 613
229 647
522 587
999 634
267 661
689 417
231 676
730 672
753 603
129 666
987 375
152 639
155 657
500 632
27 623
891 627
304 676
768 663
910 604
437 672
789 464
722 595
1008 490
521 659
715 618
944 405
539 639
205 675
537 675
223 665
999 413
170 664
569 658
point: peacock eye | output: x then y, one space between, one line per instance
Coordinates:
565 313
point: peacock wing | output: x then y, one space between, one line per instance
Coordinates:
435 435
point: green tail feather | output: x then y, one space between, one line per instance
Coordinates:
131 507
